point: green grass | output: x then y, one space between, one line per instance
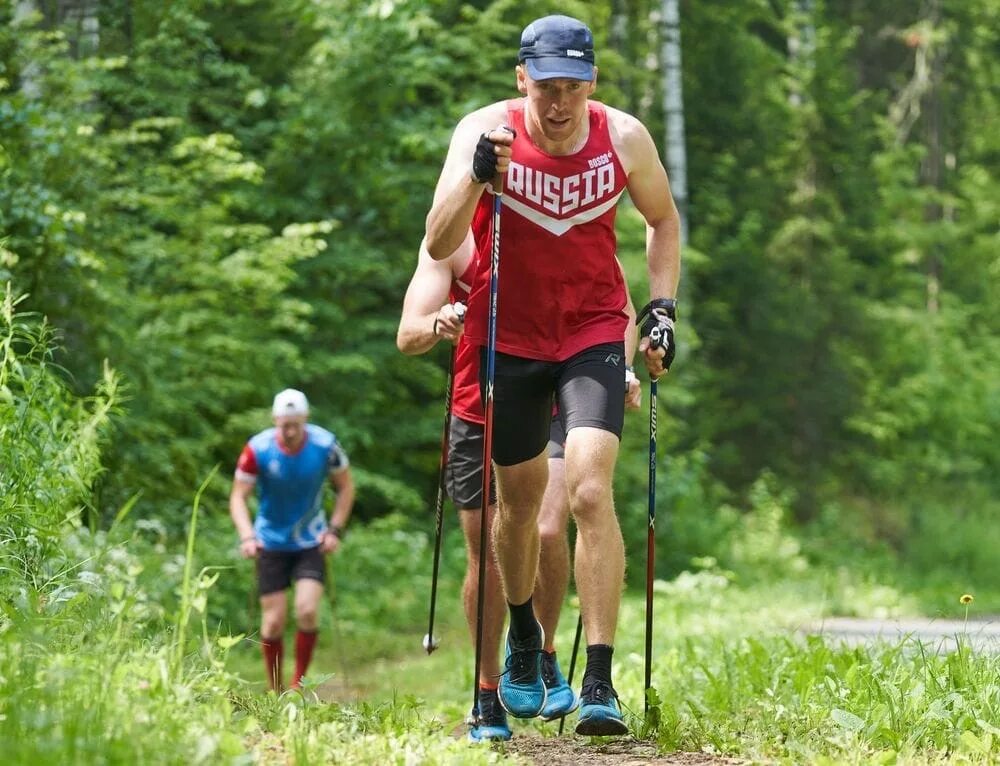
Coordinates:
733 676
115 659
84 681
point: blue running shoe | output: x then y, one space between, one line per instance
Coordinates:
599 712
560 699
522 690
492 723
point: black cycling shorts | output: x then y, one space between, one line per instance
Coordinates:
277 569
590 387
557 439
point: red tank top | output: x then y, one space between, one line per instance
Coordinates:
465 401
560 287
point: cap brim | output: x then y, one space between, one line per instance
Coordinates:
551 67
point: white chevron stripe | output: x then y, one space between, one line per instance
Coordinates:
559 226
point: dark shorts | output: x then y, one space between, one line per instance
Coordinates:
277 569
464 472
590 387
557 439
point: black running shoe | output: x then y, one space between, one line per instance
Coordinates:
600 715
492 722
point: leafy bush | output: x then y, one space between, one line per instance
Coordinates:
49 448
761 547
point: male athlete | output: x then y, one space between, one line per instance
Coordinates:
289 466
564 162
430 314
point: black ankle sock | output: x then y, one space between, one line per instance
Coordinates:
522 620
598 664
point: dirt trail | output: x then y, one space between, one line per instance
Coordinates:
570 750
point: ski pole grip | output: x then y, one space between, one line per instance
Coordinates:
655 337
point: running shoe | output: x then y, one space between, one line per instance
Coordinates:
600 715
560 699
522 690
492 722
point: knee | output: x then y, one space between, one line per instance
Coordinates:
590 499
526 517
551 533
306 617
272 626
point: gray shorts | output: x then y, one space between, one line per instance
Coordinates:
557 439
463 474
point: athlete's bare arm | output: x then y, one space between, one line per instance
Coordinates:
427 300
631 333
456 194
633 391
650 192
343 485
239 512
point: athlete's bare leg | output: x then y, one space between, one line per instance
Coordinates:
600 550
308 593
494 608
553 559
273 612
273 609
515 538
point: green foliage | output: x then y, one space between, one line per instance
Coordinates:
219 205
382 579
844 702
50 447
760 546
835 325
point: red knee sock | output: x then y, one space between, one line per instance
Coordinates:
305 641
273 650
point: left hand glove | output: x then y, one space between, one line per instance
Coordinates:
656 321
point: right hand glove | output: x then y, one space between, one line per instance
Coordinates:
485 159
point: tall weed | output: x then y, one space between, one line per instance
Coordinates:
50 444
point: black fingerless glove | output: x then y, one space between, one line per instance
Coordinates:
656 321
484 161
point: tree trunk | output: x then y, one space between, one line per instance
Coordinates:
801 47
618 39
673 109
30 74
83 25
932 168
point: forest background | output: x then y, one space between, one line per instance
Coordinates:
205 201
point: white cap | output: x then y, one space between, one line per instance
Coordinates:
290 402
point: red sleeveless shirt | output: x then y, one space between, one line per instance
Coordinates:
465 401
560 287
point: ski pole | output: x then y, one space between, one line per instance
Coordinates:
491 347
431 643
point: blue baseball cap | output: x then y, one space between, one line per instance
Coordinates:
558 46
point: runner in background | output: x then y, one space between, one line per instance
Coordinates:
289 465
